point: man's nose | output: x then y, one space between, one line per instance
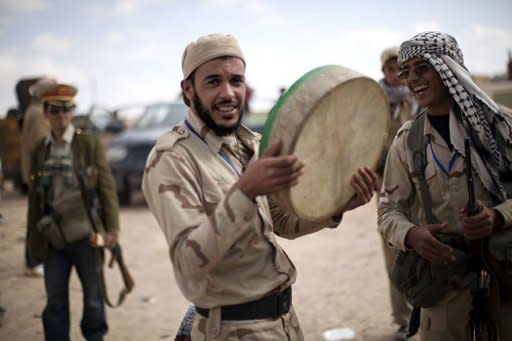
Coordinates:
412 76
227 90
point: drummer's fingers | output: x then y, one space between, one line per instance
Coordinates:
361 188
286 161
278 172
297 165
291 180
368 176
373 176
367 179
273 150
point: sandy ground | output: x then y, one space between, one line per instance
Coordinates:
341 280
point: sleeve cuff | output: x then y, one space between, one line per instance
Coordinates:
242 205
505 209
401 237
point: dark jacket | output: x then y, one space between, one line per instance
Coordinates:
87 152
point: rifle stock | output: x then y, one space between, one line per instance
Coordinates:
93 206
117 255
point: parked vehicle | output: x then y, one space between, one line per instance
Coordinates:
10 130
101 121
127 152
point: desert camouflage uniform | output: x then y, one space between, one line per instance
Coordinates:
400 210
221 243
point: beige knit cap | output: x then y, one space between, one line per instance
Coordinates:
209 47
387 54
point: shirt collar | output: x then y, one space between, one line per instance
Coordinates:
67 137
430 132
247 136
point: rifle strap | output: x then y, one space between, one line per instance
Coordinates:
127 279
418 145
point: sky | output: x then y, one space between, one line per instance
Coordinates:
125 52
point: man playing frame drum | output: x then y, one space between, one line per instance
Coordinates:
208 191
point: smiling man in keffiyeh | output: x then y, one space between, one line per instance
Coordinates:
456 109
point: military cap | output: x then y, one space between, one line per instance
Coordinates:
56 93
209 47
387 54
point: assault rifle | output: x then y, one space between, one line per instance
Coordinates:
92 204
480 322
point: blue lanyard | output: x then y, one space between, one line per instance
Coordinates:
440 165
221 154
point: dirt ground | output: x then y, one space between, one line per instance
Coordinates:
341 280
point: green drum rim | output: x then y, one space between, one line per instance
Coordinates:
280 102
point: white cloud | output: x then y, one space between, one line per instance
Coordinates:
51 43
120 7
4 24
126 6
115 37
485 49
263 11
422 26
24 5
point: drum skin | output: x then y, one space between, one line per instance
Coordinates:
334 120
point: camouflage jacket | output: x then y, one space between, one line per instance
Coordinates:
399 202
221 243
88 153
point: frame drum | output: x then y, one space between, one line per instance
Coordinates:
334 120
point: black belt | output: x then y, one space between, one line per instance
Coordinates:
269 307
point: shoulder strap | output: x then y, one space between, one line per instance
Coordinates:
418 146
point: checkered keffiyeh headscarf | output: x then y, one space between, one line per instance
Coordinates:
481 116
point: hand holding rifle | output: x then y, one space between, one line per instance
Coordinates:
109 240
477 220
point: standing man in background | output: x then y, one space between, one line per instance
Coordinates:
402 107
65 167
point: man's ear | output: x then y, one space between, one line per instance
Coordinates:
187 89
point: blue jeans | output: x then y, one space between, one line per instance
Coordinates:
57 269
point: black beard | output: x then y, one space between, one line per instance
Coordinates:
206 117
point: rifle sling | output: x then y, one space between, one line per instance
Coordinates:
417 144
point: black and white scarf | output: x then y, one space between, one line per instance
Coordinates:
480 115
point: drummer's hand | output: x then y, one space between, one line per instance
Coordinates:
364 183
270 173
